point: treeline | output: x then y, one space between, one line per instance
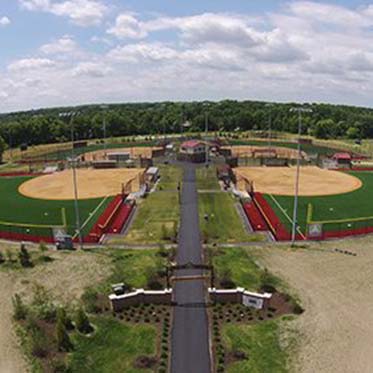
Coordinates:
47 126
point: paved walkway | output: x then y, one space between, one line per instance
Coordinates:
190 336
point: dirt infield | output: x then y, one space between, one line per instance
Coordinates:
91 184
314 181
135 152
257 151
336 329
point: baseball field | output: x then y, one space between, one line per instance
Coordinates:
33 206
338 201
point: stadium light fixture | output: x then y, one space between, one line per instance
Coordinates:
73 161
300 110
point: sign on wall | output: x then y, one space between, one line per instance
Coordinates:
250 301
314 230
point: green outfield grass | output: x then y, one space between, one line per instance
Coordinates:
16 208
352 205
308 148
63 154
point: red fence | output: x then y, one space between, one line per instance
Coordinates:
343 233
19 173
112 219
13 236
259 211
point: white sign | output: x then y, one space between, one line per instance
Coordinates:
250 301
315 230
59 234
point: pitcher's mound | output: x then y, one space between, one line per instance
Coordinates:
91 184
314 181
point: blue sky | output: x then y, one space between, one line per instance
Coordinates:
70 52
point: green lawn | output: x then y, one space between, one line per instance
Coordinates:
17 208
342 206
130 266
171 176
224 224
158 209
206 178
261 343
239 264
113 348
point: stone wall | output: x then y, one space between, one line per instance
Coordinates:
140 296
240 295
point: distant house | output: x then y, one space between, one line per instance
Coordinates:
343 159
193 151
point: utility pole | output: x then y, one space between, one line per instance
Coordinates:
73 162
298 110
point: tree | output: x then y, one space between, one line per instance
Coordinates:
19 308
82 322
24 257
352 133
325 129
62 337
62 317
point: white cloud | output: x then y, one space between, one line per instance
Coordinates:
4 21
31 64
304 51
91 69
127 26
64 45
80 12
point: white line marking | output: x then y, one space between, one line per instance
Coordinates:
91 215
286 215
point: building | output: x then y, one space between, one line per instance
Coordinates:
118 156
343 159
152 174
192 151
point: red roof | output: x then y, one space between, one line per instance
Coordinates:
191 144
342 156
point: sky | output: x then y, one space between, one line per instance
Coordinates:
72 52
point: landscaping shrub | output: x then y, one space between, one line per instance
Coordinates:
62 337
90 298
24 257
82 322
19 308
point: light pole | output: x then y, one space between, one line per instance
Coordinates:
73 161
298 110
10 146
269 106
206 137
104 107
